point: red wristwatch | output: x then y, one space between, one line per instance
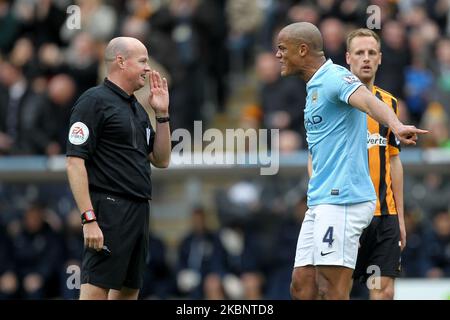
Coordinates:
88 216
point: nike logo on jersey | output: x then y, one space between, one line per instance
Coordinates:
325 254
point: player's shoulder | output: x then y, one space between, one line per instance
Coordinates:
88 99
338 72
386 95
338 68
94 92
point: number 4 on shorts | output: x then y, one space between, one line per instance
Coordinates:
328 237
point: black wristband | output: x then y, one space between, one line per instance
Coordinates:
162 119
88 216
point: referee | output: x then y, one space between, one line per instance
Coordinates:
110 146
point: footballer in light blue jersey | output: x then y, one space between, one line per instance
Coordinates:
341 197
336 134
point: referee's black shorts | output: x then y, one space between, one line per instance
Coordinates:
380 247
125 226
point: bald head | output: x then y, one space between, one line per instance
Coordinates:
300 50
127 63
121 46
304 32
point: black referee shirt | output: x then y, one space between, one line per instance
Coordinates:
112 132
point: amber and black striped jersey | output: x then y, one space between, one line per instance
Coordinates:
381 145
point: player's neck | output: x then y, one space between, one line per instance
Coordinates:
369 84
311 68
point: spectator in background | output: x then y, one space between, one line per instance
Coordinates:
251 118
17 111
441 71
354 11
23 55
8 277
414 259
334 40
290 142
279 275
303 12
50 60
194 263
418 85
438 11
98 19
81 62
158 277
73 250
244 19
41 120
239 201
37 252
237 262
60 97
396 57
281 99
9 26
431 191
41 20
180 34
436 120
438 245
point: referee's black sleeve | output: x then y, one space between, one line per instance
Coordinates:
85 125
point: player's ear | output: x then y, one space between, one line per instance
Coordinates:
381 56
303 49
347 57
120 61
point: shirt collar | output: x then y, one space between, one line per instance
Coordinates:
119 91
318 71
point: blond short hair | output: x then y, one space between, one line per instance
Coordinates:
362 32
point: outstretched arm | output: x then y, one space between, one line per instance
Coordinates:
365 101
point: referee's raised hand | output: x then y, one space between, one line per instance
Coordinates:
159 94
93 236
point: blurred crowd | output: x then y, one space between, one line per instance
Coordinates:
243 248
208 49
204 48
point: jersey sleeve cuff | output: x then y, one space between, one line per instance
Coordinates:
348 94
78 155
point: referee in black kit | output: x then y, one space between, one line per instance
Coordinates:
110 146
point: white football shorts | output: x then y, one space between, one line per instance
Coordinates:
330 234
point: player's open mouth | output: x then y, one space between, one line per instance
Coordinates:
366 68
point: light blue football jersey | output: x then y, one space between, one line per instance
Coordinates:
337 139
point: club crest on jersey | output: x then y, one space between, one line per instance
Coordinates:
351 79
78 133
375 139
314 97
